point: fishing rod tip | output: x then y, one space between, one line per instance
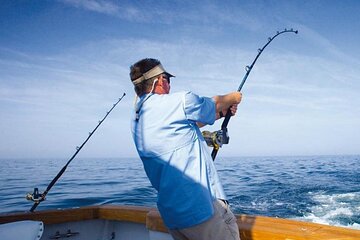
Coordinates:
122 96
296 32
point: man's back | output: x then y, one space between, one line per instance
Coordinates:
175 157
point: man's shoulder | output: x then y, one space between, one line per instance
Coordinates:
186 94
177 95
184 97
181 93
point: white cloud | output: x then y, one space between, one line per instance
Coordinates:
100 6
190 12
119 10
313 80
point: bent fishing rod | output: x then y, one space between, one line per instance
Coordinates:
37 197
218 138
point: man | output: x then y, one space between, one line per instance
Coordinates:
175 156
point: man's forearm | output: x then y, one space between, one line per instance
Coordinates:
224 102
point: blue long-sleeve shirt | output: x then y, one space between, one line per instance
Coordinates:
175 156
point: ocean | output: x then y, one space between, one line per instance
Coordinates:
321 189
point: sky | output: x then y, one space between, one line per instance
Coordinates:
64 63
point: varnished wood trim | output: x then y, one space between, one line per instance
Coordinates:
134 214
251 227
260 228
53 216
117 213
154 222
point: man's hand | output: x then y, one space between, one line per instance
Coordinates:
223 103
233 110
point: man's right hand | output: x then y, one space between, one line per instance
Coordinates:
230 100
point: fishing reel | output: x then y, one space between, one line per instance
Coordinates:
35 196
216 139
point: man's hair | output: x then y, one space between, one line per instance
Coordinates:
138 69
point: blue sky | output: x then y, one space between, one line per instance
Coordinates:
64 63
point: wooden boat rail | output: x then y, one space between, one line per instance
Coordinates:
251 227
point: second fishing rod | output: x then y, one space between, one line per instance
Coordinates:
218 138
38 197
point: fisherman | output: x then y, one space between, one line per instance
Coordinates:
176 159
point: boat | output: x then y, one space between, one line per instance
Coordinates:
118 222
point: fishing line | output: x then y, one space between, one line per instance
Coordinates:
37 197
220 137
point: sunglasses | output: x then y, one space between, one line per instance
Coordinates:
165 76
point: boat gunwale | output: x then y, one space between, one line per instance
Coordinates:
251 227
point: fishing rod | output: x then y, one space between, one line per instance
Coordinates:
37 197
220 137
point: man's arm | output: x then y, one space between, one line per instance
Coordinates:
223 103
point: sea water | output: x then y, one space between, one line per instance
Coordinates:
321 189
